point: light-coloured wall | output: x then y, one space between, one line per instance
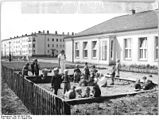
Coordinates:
23 45
90 59
68 50
135 47
118 47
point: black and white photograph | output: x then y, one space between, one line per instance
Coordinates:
79 57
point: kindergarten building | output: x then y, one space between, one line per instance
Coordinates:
132 38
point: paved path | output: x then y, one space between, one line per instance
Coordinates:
128 75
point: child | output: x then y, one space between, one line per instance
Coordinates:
82 82
86 72
32 67
94 70
45 73
79 92
77 74
148 85
91 79
144 79
104 80
113 75
35 67
137 85
66 81
87 93
25 69
96 91
71 94
56 81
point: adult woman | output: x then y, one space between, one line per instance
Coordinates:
61 61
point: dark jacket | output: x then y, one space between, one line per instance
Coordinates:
56 81
96 91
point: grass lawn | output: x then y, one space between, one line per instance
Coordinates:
143 104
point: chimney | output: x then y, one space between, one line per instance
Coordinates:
43 31
63 33
133 11
47 32
55 32
68 33
72 33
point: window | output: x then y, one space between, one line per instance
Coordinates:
111 49
94 49
48 51
52 45
48 39
56 40
85 50
76 49
48 45
33 51
52 39
156 47
33 45
143 48
104 50
33 39
57 45
60 40
127 46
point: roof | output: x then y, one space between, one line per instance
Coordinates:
137 21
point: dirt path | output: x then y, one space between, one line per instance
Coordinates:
11 104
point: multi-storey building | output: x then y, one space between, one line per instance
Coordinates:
35 44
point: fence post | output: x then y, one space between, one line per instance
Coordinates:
67 108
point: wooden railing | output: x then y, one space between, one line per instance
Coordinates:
38 100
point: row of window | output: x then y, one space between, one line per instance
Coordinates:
143 46
56 40
85 49
127 49
56 45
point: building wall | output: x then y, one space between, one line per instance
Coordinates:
68 50
90 58
150 34
35 44
118 47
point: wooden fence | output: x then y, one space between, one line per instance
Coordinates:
38 100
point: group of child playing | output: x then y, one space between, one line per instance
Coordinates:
85 79
146 84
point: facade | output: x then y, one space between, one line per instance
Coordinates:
36 44
131 38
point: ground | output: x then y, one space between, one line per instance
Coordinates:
119 88
11 104
142 104
139 104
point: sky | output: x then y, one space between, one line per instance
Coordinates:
19 18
